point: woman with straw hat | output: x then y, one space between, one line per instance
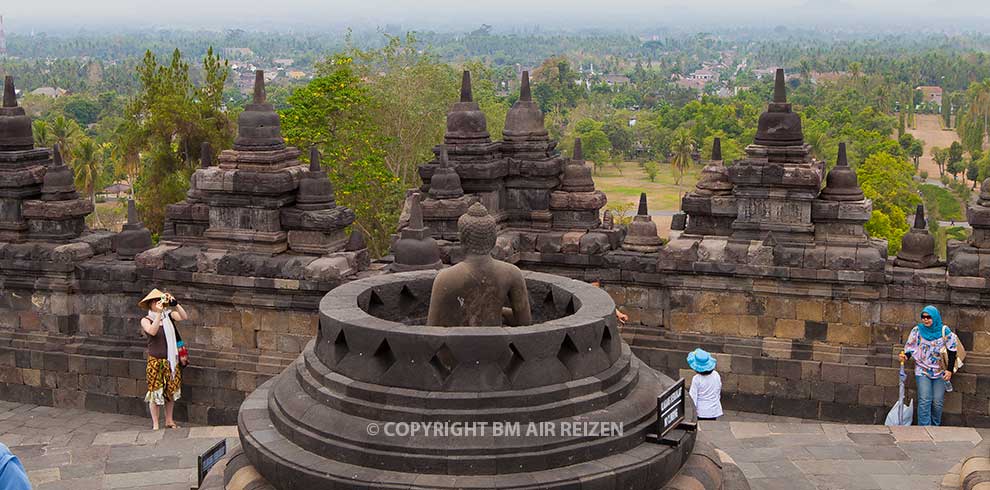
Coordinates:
164 375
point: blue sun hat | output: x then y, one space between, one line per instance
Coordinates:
701 361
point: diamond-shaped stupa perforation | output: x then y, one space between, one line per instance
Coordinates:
340 348
568 352
383 357
376 306
407 301
606 342
443 361
511 361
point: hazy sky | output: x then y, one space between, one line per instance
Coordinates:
503 14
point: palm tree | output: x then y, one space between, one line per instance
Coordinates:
42 136
64 132
86 165
979 107
682 147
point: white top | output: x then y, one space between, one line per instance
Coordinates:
706 393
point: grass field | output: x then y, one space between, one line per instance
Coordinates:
626 186
623 189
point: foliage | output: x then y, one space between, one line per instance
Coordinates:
172 118
334 113
409 94
682 148
652 169
940 203
887 181
594 142
622 212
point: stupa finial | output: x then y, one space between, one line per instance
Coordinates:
779 89
132 216
205 155
259 87
841 160
9 94
578 152
919 218
643 209
524 90
314 159
466 95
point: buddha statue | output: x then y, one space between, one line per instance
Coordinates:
475 291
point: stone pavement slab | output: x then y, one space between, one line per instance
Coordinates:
77 450
777 453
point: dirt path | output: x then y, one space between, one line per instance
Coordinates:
930 131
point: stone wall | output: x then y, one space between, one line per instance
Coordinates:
82 348
811 349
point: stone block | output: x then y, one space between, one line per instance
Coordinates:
981 341
31 377
748 326
789 369
846 334
835 372
846 393
752 384
871 396
964 383
822 390
809 310
862 375
789 329
815 330
887 376
637 296
811 370
781 307
221 337
953 402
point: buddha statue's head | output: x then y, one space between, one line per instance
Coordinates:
477 230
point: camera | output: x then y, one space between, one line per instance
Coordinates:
172 302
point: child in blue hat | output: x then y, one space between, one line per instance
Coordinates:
706 386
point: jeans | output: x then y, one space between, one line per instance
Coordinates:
931 396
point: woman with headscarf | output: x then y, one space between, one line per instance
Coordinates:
924 345
164 375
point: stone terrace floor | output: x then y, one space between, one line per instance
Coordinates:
79 450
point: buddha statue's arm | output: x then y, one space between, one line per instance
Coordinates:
519 297
435 314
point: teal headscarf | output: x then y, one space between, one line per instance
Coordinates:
935 331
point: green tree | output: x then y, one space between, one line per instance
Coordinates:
887 181
64 131
941 157
334 112
171 118
81 108
594 141
411 121
42 135
652 169
955 163
683 147
87 167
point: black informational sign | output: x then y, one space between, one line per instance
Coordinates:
670 408
210 458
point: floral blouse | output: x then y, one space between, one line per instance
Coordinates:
926 353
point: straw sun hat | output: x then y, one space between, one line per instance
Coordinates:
154 295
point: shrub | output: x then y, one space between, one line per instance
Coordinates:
652 169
